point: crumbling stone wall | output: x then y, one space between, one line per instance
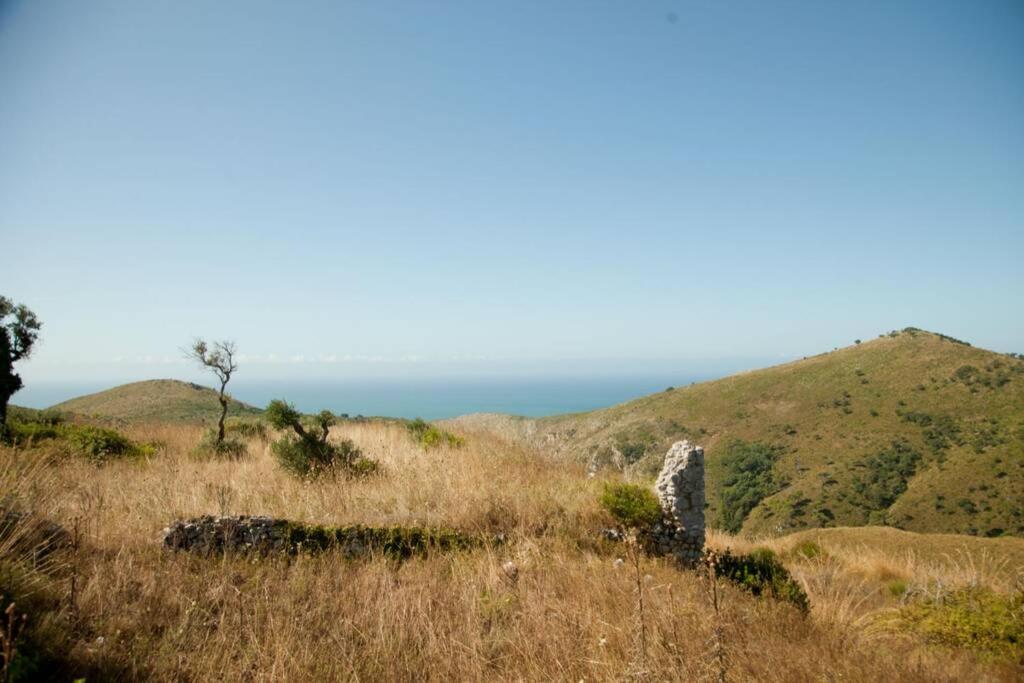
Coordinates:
210 535
680 489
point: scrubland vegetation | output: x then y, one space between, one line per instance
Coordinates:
546 600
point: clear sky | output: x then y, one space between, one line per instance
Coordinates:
392 187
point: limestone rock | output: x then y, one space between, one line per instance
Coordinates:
680 490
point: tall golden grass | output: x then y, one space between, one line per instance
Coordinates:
567 613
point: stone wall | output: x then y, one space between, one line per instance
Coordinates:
680 489
210 535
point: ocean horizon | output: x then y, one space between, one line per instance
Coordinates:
429 398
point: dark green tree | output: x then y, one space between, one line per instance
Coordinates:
219 359
19 329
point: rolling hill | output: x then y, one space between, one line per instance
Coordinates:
155 400
914 430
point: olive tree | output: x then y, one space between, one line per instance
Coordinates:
19 329
309 453
219 358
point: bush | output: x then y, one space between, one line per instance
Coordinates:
228 449
308 454
311 457
430 436
98 444
886 476
632 506
761 573
972 618
248 429
747 479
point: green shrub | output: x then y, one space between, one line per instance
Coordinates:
761 573
747 479
26 433
886 475
26 415
248 429
430 436
632 506
310 454
311 457
98 444
971 618
228 449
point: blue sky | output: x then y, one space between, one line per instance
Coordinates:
361 188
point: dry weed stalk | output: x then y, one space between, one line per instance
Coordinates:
718 653
10 632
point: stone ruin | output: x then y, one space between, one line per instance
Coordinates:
209 535
680 489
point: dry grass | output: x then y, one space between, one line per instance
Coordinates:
569 614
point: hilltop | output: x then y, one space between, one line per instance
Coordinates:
155 400
914 430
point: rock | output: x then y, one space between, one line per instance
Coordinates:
511 571
680 490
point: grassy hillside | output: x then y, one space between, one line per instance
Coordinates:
885 605
913 430
155 400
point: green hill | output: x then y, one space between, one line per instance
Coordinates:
155 400
913 430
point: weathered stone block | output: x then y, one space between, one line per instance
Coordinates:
680 489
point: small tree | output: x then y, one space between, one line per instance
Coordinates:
19 329
311 454
220 359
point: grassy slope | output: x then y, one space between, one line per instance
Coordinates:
1002 557
163 400
569 612
831 412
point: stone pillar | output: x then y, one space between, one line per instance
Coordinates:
680 489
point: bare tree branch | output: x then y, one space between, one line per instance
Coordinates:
220 359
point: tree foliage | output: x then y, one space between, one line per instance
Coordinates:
308 453
747 479
19 330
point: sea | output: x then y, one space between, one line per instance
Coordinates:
429 398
